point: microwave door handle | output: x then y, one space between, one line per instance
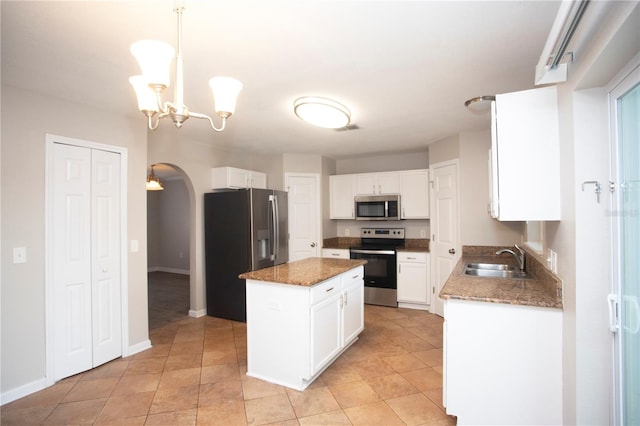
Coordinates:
386 209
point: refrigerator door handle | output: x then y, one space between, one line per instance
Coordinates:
273 206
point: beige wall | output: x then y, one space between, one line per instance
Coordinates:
26 119
445 149
383 163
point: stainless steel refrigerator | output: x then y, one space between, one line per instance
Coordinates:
245 230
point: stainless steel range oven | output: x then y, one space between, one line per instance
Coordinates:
378 248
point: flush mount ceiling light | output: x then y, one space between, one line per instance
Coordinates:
155 59
322 112
153 181
480 104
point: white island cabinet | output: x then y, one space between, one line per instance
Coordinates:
294 332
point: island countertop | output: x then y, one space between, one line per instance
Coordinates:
305 272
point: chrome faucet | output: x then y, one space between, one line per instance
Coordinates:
519 256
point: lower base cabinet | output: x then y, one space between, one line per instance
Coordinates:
295 332
414 289
502 363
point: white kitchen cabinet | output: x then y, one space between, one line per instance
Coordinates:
502 363
525 157
295 332
377 183
336 253
414 194
342 190
413 280
234 178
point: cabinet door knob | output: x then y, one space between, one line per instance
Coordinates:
313 244
452 251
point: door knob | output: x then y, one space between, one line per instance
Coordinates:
313 244
452 251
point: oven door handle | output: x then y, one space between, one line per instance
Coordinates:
373 251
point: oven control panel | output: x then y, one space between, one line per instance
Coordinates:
396 233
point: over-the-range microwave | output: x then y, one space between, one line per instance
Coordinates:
377 207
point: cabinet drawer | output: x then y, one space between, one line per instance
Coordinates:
336 253
327 289
411 256
352 277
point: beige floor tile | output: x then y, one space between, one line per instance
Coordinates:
77 412
424 379
220 373
374 414
181 418
431 357
136 384
145 366
225 414
391 386
91 389
416 344
183 361
270 409
254 388
435 395
175 399
156 350
187 347
334 418
130 421
19 416
352 394
340 373
219 356
188 335
179 378
124 407
416 409
373 368
313 401
220 393
404 362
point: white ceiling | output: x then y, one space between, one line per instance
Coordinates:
404 68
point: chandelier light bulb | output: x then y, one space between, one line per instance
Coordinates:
155 59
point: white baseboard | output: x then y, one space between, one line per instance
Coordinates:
197 314
413 306
171 270
23 391
138 347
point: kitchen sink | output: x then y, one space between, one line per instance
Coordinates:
493 270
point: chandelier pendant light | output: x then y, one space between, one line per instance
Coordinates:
155 59
153 181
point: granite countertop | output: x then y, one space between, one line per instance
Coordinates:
305 272
542 290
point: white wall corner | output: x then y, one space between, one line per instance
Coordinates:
197 313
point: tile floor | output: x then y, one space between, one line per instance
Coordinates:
195 374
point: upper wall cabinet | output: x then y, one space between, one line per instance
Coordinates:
342 190
414 194
524 162
233 178
377 183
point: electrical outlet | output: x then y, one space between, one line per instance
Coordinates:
552 261
347 232
135 246
423 233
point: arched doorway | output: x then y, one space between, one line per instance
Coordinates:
168 246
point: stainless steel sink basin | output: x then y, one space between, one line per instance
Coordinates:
493 270
491 266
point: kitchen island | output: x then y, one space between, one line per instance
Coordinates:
301 316
503 344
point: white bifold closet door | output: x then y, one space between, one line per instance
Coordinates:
86 259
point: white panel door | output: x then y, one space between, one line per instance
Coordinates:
105 249
86 255
71 266
304 234
444 227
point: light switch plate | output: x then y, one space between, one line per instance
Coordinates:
135 246
19 255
